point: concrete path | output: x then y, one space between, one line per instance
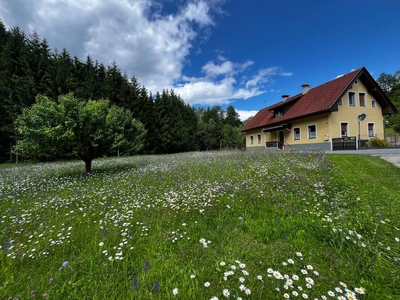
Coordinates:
392 155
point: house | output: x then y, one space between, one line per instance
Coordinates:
341 114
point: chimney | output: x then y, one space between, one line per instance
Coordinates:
284 97
306 87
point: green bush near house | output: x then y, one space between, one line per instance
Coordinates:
376 142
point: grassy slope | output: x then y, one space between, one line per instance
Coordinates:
279 198
376 183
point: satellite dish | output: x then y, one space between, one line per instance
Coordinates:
362 117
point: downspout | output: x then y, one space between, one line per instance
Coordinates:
384 129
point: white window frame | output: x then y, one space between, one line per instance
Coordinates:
347 129
373 103
373 129
278 113
251 140
294 134
308 131
354 99
258 138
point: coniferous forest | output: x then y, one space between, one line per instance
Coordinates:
29 67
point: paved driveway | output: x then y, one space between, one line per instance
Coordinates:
390 154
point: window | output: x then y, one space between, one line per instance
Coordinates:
312 131
362 99
343 129
296 133
278 113
340 102
373 103
352 99
251 140
259 138
371 130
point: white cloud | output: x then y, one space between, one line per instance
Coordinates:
264 75
144 41
225 68
247 93
212 70
198 12
207 92
245 114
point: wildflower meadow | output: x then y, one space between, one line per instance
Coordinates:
202 225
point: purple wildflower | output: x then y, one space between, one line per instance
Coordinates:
155 286
135 284
146 265
240 218
65 264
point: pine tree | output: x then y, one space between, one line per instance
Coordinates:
232 117
37 65
4 116
114 83
15 89
62 80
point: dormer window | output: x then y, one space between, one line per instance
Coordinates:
278 113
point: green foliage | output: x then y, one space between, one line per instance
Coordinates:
175 122
74 127
29 68
390 84
233 137
376 142
232 117
41 130
218 129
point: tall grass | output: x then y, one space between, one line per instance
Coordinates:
200 226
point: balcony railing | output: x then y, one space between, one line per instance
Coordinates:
273 144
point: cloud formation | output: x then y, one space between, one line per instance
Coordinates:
144 41
245 114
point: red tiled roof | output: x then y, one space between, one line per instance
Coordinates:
317 100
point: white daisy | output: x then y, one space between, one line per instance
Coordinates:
226 293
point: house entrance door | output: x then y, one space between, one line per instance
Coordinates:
281 139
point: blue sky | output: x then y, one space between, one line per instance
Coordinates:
215 52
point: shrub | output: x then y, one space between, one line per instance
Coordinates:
376 142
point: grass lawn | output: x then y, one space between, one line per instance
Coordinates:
217 225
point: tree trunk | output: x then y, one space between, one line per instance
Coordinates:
88 165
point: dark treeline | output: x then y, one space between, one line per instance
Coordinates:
390 84
29 67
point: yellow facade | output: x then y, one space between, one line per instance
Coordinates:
317 131
321 130
257 138
348 114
